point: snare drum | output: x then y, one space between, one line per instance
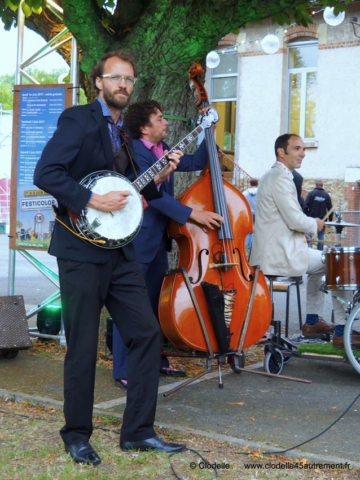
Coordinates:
342 268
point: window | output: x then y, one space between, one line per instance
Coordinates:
224 78
223 94
302 69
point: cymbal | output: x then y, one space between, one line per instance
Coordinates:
342 224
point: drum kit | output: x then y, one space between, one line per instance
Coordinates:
342 272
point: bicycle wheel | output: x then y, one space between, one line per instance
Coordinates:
352 323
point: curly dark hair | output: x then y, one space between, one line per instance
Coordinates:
98 69
138 115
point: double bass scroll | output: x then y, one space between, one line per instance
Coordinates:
222 281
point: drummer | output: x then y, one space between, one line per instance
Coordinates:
279 243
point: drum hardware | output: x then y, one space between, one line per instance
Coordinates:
339 226
342 224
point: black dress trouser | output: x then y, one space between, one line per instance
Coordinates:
85 289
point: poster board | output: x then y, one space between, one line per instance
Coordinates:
36 112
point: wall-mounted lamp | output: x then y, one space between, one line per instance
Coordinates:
332 19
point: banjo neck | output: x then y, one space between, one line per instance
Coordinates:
145 178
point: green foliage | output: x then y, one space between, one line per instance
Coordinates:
254 10
42 76
10 79
6 18
13 5
6 96
27 6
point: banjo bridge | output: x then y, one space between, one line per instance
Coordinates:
95 223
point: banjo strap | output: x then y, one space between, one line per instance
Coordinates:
123 157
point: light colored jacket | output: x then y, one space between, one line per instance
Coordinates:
250 195
279 245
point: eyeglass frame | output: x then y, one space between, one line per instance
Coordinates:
111 77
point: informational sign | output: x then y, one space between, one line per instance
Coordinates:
36 112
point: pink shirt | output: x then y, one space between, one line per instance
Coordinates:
157 149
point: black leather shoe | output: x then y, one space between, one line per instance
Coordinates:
154 443
83 452
172 372
121 382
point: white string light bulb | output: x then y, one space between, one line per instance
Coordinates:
331 19
270 44
212 59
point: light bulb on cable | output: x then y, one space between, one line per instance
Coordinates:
212 59
270 44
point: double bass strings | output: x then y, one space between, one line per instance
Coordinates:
218 188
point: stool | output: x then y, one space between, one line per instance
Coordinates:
285 286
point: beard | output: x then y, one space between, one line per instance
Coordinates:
114 102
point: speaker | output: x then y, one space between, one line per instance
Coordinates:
14 330
49 320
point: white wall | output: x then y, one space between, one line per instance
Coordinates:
337 114
258 120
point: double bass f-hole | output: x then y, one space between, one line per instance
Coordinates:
194 282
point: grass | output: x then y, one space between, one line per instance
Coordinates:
31 448
324 349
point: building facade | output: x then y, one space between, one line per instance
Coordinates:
310 86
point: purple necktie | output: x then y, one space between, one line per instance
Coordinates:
114 131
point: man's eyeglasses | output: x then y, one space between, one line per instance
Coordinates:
116 79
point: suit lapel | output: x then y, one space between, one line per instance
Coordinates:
105 137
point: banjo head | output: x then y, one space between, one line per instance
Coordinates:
110 229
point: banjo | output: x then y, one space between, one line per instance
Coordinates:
116 229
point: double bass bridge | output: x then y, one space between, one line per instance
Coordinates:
224 266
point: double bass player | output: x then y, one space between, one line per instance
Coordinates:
148 128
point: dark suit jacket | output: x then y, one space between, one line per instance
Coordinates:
80 145
156 216
298 180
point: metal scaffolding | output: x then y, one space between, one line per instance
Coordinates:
21 63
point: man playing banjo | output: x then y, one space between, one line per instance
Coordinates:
89 139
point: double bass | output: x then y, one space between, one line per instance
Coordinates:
214 295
